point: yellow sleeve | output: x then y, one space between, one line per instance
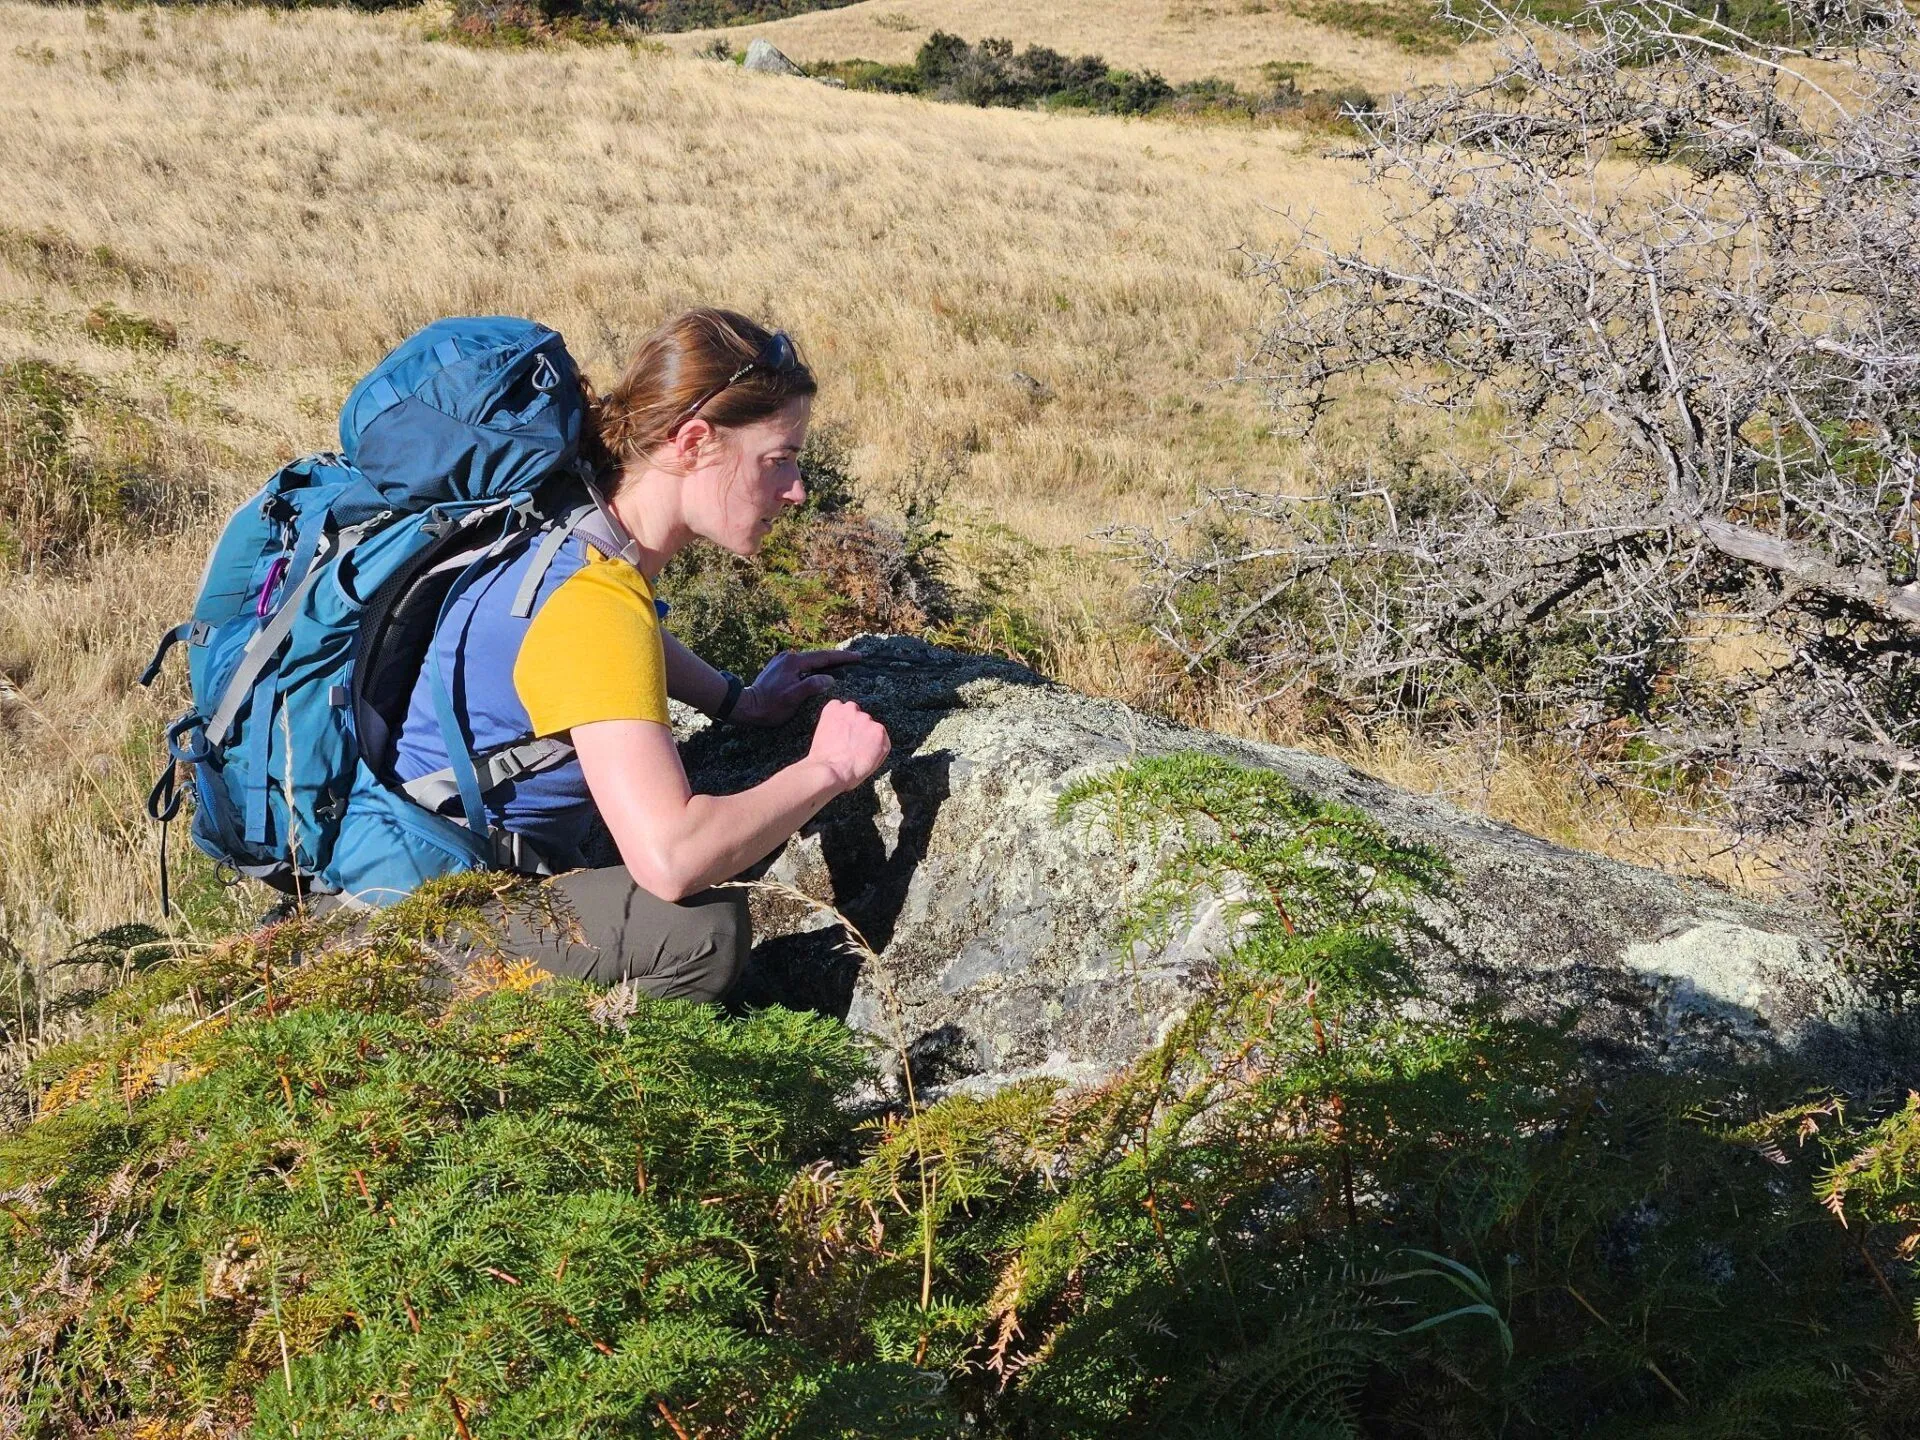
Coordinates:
593 652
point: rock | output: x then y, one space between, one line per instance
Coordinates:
764 59
994 922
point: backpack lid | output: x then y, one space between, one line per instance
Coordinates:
467 409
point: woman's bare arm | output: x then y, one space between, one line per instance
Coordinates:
674 842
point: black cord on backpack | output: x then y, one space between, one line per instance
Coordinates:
166 897
163 803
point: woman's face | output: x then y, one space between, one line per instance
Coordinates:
747 475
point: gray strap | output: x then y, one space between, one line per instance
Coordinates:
550 544
460 561
512 851
267 641
435 790
605 532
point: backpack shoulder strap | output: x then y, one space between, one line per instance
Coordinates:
550 544
604 531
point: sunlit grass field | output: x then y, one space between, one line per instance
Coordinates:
295 192
1042 312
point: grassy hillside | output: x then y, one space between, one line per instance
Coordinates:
1182 39
278 1200
215 220
311 186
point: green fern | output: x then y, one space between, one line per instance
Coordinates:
293 1186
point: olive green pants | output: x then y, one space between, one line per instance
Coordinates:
605 930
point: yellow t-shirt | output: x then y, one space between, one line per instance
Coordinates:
594 651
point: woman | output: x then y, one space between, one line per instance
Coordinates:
700 440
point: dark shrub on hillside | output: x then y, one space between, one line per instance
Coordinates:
514 22
989 72
78 464
111 325
669 15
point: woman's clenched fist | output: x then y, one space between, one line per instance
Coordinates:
850 743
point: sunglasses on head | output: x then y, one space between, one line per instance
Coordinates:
776 355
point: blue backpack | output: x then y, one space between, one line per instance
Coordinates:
320 600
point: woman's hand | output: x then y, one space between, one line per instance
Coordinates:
849 744
790 679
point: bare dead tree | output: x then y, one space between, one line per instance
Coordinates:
1679 270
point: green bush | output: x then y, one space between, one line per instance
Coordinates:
111 325
77 465
521 22
1866 875
990 72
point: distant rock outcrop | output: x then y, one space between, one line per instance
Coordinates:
995 922
764 59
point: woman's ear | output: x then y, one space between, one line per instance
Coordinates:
688 441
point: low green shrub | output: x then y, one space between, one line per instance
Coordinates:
78 465
1866 874
111 325
991 72
515 24
527 22
51 255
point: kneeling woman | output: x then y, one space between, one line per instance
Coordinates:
700 440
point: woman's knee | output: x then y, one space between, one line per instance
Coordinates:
727 930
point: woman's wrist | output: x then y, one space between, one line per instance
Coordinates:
727 705
831 779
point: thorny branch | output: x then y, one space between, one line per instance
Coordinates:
1676 272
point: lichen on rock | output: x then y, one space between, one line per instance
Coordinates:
996 924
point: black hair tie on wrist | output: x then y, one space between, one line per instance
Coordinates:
734 689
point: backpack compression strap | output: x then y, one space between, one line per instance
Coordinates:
267 641
440 788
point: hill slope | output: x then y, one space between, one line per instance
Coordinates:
1182 39
294 192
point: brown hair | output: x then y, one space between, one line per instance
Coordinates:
682 360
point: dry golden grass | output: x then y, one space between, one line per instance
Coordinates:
310 186
1182 39
1538 787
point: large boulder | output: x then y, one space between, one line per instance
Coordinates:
764 58
994 923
